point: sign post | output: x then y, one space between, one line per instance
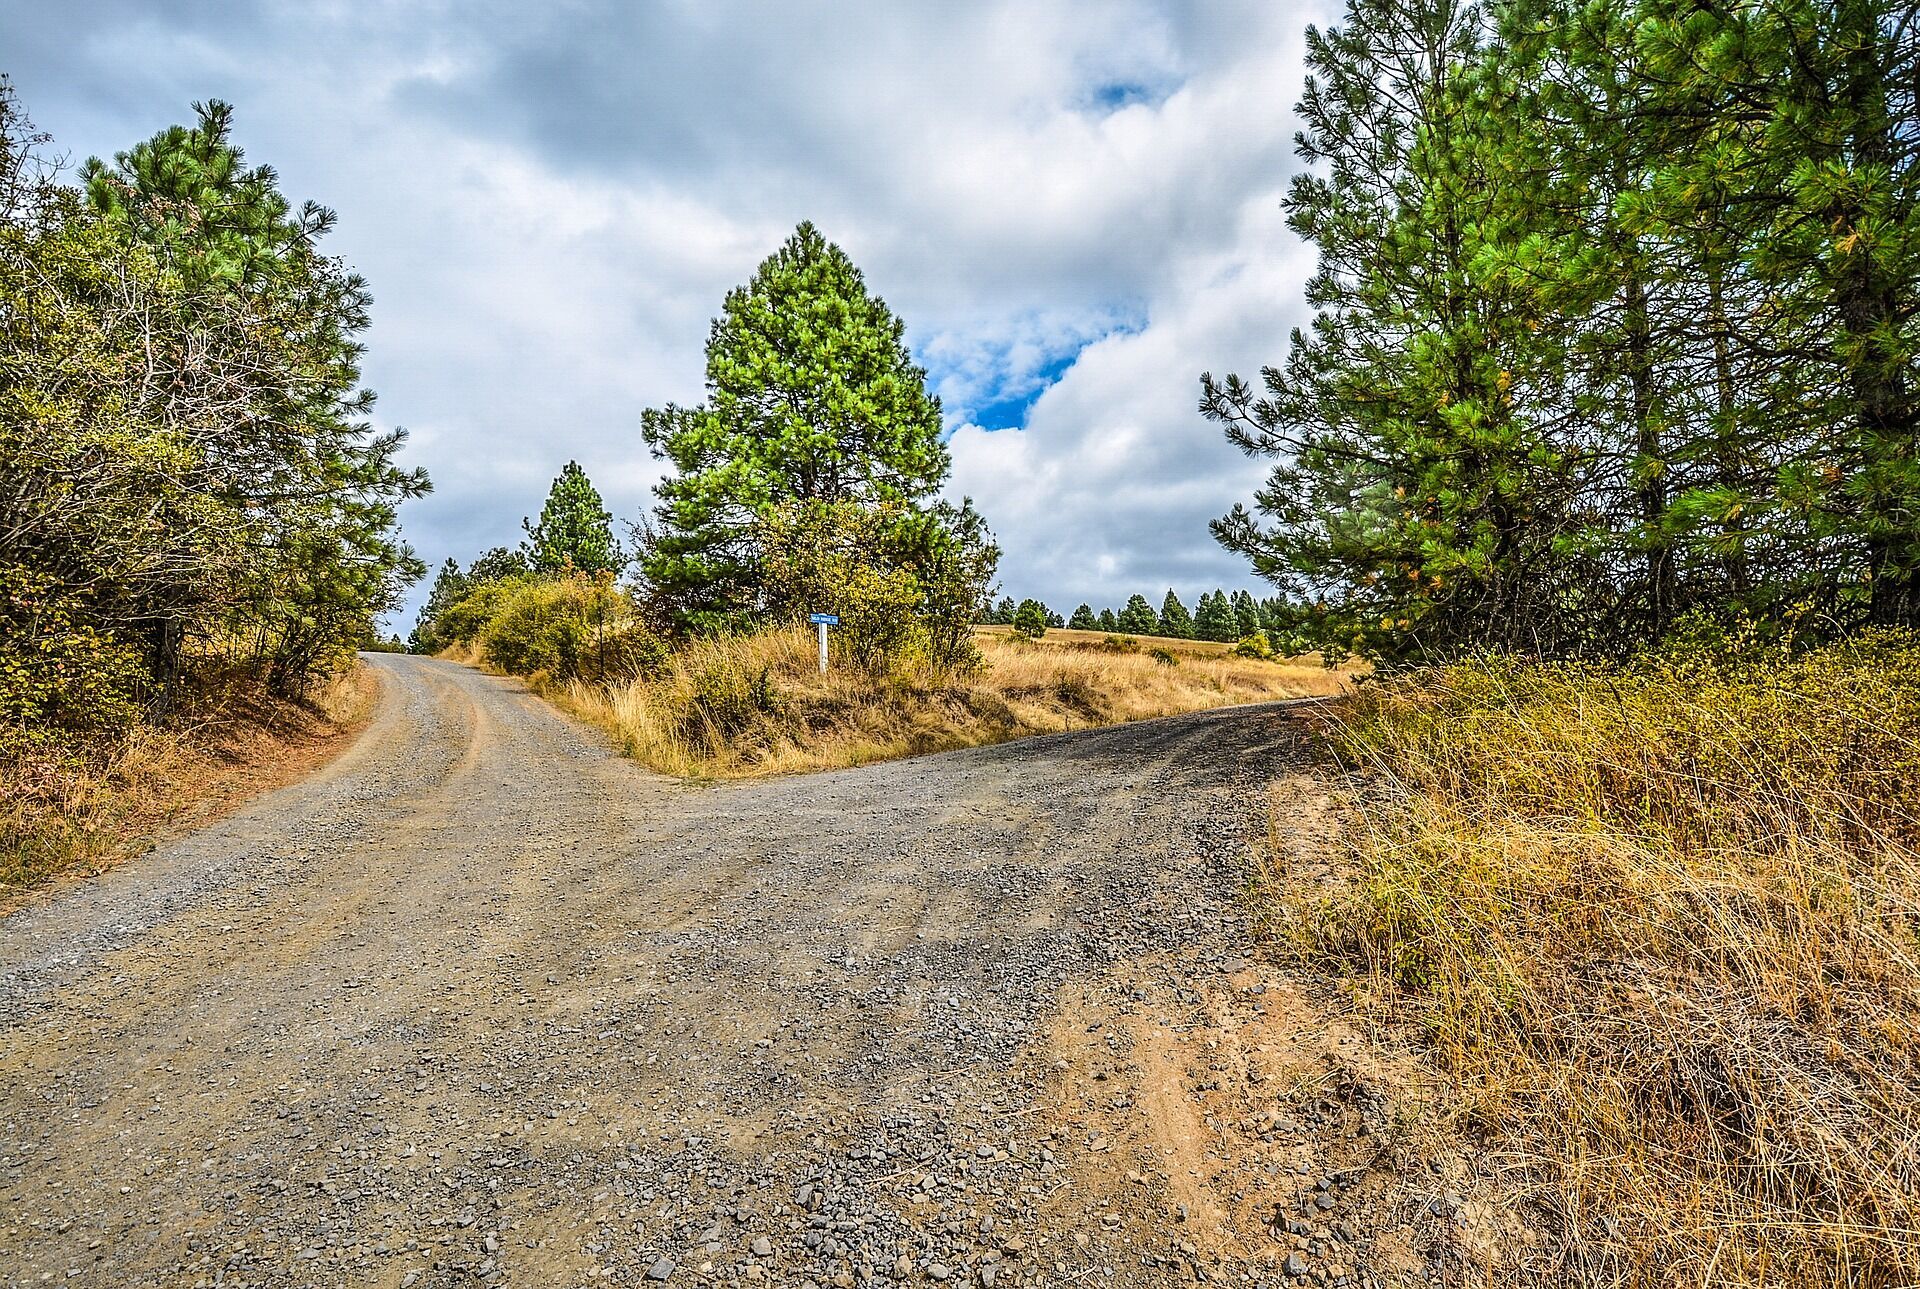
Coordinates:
823 621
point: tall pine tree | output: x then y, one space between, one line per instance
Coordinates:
574 529
811 397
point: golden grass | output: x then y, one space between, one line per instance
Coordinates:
1659 930
752 705
84 805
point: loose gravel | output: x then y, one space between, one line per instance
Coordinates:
485 1004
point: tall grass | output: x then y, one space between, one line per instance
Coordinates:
1660 930
756 704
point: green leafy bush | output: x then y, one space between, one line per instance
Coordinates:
579 627
1255 646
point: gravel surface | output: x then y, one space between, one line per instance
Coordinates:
484 1003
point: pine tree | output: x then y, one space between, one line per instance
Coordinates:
1108 622
1412 489
1137 617
449 586
574 529
497 565
1175 621
1216 620
1003 612
1083 619
1245 615
1030 619
811 397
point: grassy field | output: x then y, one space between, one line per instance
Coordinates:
1655 931
757 704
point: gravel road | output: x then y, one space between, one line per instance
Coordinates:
484 1003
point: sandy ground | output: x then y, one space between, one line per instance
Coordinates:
483 1003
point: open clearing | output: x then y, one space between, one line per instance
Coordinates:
484 1002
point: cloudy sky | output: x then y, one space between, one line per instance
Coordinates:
1074 206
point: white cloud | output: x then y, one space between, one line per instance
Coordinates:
550 203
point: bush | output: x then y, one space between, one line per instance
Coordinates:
1255 646
1163 656
725 699
1120 644
578 627
904 582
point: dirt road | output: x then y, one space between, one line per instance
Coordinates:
484 1003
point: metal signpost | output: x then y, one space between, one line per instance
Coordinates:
823 621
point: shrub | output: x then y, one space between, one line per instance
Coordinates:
1255 645
725 699
462 622
578 627
1120 644
904 582
1163 656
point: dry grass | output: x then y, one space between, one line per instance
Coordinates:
753 705
1658 930
84 806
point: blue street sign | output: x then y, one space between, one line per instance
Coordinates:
824 619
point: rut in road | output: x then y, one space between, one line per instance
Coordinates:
485 1003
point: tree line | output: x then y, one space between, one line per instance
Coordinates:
1615 326
188 476
1216 616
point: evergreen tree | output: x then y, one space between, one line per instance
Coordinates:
1216 620
811 397
1030 619
1175 621
497 565
1137 617
1003 612
574 529
249 370
1245 615
1083 619
1411 484
1108 622
449 586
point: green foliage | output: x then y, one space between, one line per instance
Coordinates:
450 586
498 564
903 581
1618 314
1083 619
1030 619
576 627
1175 621
1163 655
188 469
812 398
1137 617
1255 644
1001 613
1108 622
1246 615
574 531
1217 620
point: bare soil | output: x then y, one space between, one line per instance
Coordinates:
481 1003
